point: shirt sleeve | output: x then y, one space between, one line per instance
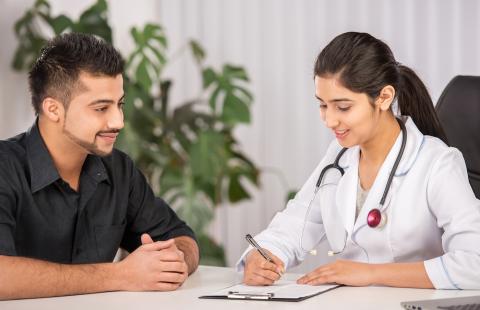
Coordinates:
453 203
7 210
150 214
295 230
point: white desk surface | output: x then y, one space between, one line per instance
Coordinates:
209 279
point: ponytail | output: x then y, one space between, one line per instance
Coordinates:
415 101
366 65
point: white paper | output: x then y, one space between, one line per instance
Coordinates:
282 289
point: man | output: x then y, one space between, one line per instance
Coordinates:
69 200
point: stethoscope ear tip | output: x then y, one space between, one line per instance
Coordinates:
313 252
330 253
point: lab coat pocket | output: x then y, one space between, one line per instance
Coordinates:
108 240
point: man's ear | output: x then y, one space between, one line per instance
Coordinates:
52 109
385 98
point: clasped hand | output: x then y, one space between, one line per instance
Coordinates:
155 266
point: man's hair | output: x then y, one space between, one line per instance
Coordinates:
55 73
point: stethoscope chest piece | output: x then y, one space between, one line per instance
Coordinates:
376 219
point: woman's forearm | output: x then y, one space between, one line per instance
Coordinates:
401 275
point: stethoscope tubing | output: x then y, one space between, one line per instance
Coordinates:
335 165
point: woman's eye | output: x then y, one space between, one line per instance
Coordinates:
322 106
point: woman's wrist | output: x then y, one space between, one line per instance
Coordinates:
374 274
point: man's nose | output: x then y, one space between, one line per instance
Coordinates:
115 120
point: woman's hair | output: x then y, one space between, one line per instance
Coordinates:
365 64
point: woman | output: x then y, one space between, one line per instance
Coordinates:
403 213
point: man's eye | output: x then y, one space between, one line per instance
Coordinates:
102 109
121 105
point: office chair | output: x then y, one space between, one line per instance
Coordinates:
458 109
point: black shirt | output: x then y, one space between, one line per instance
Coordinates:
42 217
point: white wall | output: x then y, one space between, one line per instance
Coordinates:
277 41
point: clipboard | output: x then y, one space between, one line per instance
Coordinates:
281 291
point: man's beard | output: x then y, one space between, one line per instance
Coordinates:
90 147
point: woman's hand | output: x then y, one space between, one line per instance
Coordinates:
258 271
341 272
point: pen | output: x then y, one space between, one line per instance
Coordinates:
259 249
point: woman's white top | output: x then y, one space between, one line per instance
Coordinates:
361 197
432 214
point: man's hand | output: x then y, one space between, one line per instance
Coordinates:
259 271
154 266
341 272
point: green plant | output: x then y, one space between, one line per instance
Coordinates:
188 153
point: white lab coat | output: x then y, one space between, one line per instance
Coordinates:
432 214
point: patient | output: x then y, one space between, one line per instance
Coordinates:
69 200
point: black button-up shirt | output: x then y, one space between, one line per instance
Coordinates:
42 217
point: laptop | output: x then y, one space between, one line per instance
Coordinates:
456 303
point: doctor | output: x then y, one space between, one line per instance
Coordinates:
393 201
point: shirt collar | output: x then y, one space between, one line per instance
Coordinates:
95 169
42 169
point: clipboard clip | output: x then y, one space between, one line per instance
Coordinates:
247 295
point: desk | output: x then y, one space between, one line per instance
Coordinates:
209 279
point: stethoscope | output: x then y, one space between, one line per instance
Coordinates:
375 217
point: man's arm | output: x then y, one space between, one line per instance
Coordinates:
152 216
190 250
22 277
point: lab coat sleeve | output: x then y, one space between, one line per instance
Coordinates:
284 233
453 203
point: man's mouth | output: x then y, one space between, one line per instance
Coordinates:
108 136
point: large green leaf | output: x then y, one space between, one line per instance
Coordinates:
208 155
236 191
209 76
241 91
235 110
142 75
95 21
234 72
228 98
148 58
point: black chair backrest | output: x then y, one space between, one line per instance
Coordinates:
459 111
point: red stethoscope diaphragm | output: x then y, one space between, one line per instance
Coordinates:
375 218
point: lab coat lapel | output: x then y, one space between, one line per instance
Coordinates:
413 145
376 191
346 195
347 189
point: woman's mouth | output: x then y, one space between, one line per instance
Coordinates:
341 134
